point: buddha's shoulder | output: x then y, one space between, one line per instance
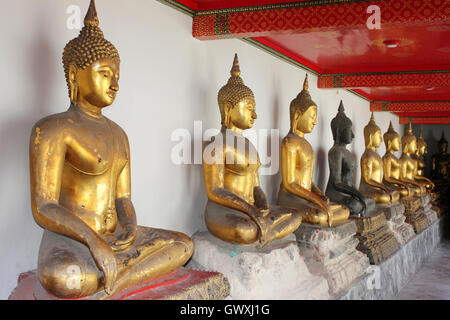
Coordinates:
294 140
116 128
53 124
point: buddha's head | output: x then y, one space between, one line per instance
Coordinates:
409 141
236 101
341 127
421 146
443 144
372 134
303 111
91 65
391 139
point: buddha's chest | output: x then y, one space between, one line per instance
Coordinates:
94 151
242 158
348 163
305 155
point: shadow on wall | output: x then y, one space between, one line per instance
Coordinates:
321 156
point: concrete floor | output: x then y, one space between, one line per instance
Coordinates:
432 282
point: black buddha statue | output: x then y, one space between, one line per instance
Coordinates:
342 165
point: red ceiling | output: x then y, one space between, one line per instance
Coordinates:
331 38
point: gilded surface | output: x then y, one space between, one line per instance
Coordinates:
297 167
372 168
237 210
80 186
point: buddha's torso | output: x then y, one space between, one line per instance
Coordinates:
305 159
442 163
373 167
241 167
392 162
96 153
348 164
407 167
420 165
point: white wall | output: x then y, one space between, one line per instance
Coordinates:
168 80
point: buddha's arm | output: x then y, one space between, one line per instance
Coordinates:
259 196
288 167
47 155
124 207
366 172
403 174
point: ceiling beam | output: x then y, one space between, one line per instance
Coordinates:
313 15
423 114
413 106
385 79
439 120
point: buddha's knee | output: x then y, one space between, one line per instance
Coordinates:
383 198
69 280
404 192
184 245
340 215
395 196
246 232
316 217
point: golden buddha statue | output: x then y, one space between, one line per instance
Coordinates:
372 168
391 165
80 186
419 172
237 210
407 164
297 189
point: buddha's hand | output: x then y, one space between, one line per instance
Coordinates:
126 239
106 261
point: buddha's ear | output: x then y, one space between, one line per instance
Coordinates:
227 111
73 82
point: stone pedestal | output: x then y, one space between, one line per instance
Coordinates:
375 239
394 213
331 252
386 280
276 271
426 206
181 284
414 214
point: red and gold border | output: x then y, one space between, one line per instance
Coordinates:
385 79
309 16
413 106
440 120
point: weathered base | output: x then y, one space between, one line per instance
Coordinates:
426 206
181 284
276 271
375 239
414 214
394 213
331 252
385 280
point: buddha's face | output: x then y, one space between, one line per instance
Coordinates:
422 150
98 83
347 135
376 139
307 120
443 147
243 114
412 148
395 144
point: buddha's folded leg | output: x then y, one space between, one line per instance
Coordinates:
230 225
156 252
380 196
66 267
283 221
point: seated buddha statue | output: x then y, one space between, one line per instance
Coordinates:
237 210
297 189
80 186
440 170
342 165
407 164
419 164
391 166
372 168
